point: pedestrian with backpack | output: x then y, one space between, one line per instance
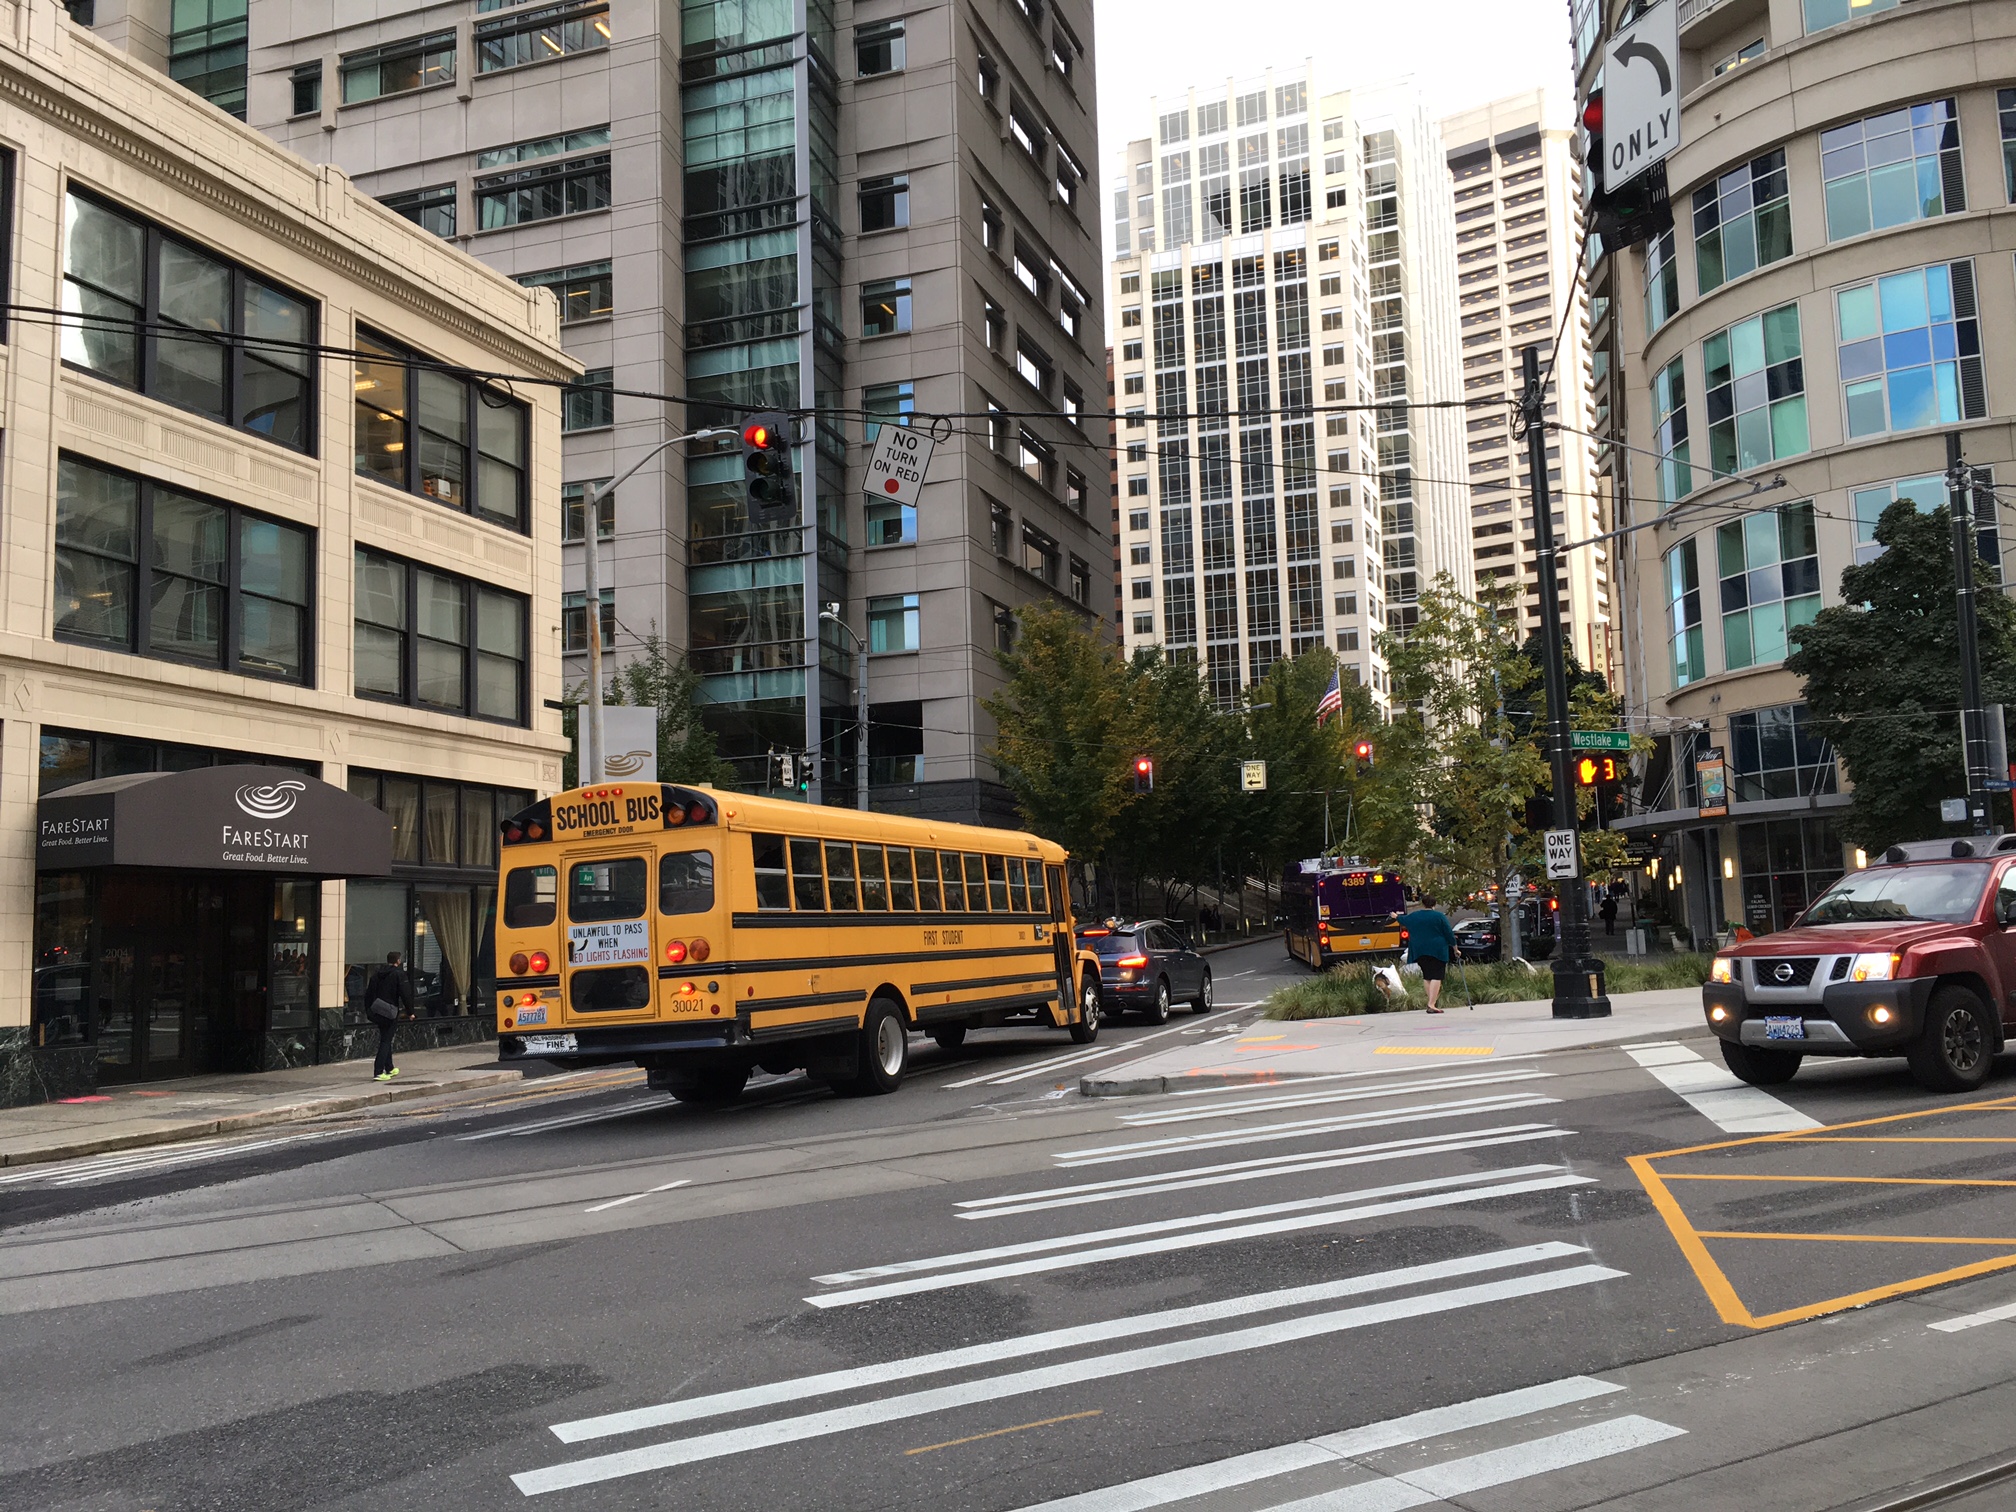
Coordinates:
388 997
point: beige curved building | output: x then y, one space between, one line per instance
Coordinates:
1834 296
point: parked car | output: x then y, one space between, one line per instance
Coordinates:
1914 956
1147 965
1481 939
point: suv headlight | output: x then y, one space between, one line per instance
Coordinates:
1722 969
1874 966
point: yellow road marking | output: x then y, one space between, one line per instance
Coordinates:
1436 1050
1905 1139
974 1438
1853 1238
1853 1180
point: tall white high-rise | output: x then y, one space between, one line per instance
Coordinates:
1278 254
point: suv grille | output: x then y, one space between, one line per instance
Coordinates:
1785 971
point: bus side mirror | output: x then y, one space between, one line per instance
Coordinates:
2005 908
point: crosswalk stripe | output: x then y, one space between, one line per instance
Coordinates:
1218 1139
153 1157
1303 1083
1106 1191
1731 1105
568 1121
885 1410
1045 1068
801 1387
1244 1106
1974 1320
1263 1464
1196 1239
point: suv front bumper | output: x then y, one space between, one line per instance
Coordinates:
1846 1023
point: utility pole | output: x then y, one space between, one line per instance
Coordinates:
832 612
1973 718
1578 975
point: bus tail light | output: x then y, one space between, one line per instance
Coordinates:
518 963
513 834
674 815
1133 961
676 952
540 962
535 832
696 813
529 999
699 950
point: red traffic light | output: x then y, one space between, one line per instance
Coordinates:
1362 750
1143 764
757 434
1592 113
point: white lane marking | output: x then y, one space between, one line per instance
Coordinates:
1263 1464
1297 1083
1088 1237
570 1120
1717 1096
1106 1191
1194 1240
603 1207
885 1410
801 1387
1218 1139
1494 1467
1974 1320
152 1158
1314 1099
1069 1058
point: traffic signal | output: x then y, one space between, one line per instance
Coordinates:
768 485
1144 774
1628 214
1597 771
1361 752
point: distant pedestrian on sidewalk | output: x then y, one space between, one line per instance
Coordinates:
1431 945
388 997
1608 911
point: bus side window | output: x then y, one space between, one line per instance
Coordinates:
530 893
686 882
1018 886
874 883
976 884
773 883
840 876
955 889
997 884
808 883
927 882
902 894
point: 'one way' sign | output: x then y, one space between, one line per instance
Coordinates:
1641 95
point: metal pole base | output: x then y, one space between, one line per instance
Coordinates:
1578 989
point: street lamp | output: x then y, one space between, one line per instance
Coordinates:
591 602
832 612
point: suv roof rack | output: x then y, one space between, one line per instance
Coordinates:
1949 850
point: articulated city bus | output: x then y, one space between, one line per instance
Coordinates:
1341 911
703 933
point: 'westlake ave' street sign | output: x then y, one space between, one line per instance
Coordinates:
1599 740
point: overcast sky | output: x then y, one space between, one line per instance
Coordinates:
1460 52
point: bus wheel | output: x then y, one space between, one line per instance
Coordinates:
1086 1029
714 1086
881 1055
950 1037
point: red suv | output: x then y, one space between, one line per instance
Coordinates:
1914 956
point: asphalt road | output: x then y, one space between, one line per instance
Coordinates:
1443 1284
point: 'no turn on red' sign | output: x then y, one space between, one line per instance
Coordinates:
896 466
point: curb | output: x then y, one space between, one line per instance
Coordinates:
1145 1086
291 1113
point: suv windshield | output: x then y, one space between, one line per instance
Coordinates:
1945 894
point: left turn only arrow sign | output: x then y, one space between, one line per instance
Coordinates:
1641 95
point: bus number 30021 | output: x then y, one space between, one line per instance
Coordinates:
944 936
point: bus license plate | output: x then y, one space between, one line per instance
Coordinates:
549 1044
685 1005
1784 1028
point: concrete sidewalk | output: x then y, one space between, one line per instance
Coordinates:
123 1118
1267 1050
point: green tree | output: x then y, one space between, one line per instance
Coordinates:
1882 675
1175 834
659 679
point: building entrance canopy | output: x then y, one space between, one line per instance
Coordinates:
225 818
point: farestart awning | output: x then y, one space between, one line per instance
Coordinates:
226 818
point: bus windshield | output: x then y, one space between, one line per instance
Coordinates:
1362 895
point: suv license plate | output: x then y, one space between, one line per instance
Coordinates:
549 1044
1784 1028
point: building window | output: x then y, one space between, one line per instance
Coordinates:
1004 630
1749 52
1144 624
888 522
1926 494
585 292
1028 135
436 641
1769 564
1821 14
147 569
1893 168
537 36
892 623
1662 281
885 308
415 427
885 203
206 51
993 229
1742 222
878 48
1683 628
1911 350
1000 529
395 68
431 209
574 622
307 84
1077 492
141 289
1034 365
1669 410
893 402
1039 555
1773 753
1137 488
1130 351
589 403
1786 863
993 325
546 191
1137 519
1756 392
1036 462
1143 588
573 497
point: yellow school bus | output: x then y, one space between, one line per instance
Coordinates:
703 933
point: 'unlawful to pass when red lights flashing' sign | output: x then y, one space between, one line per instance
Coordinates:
896 467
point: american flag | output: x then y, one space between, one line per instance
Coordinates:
1333 702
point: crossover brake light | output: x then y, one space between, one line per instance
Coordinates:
1133 960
